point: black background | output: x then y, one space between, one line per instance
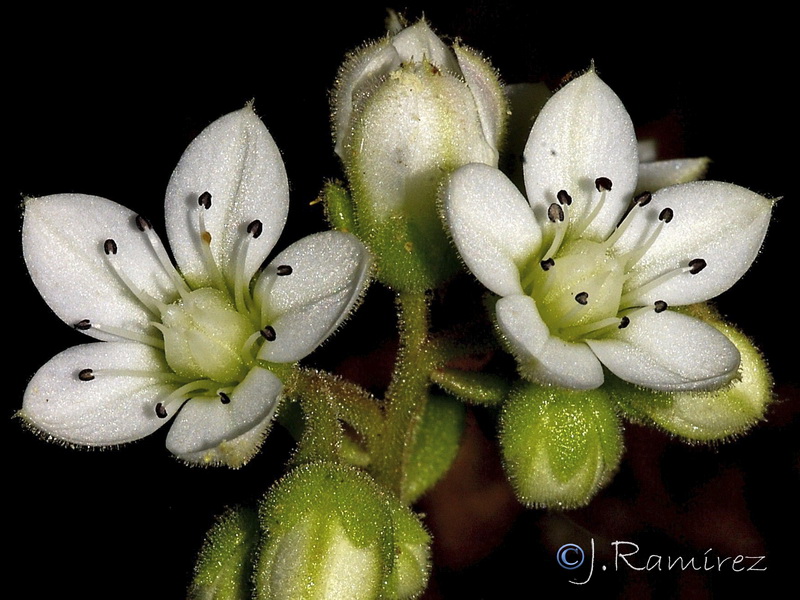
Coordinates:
105 105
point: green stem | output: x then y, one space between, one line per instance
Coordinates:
408 392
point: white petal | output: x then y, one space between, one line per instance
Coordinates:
669 351
113 408
492 226
720 223
543 357
662 173
582 133
206 431
330 271
62 241
418 43
238 163
486 89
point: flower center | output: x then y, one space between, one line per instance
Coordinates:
205 337
579 284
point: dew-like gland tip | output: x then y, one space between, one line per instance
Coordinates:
83 325
143 223
624 322
582 298
696 265
255 228
564 198
86 375
204 200
547 264
110 246
161 412
555 212
268 333
603 184
643 199
660 306
224 398
666 215
284 270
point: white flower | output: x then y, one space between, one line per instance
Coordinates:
585 270
197 343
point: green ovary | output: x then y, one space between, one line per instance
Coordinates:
204 337
585 271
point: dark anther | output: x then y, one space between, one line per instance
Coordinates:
643 199
564 197
269 333
110 246
555 212
624 322
255 228
661 306
143 223
582 298
696 265
86 375
204 200
666 215
284 270
161 412
224 398
602 183
546 264
83 325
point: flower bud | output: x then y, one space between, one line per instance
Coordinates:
224 567
706 416
412 555
559 446
329 536
407 111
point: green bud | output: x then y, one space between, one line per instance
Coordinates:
475 387
225 565
328 536
408 110
435 445
412 555
705 416
559 446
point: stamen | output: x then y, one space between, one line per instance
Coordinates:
624 322
255 228
269 333
110 247
224 398
666 215
564 198
555 213
603 184
145 226
582 331
132 335
661 306
284 270
86 375
204 200
582 298
161 412
696 265
181 395
547 264
643 199
83 325
156 307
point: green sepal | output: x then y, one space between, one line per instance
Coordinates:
328 536
225 566
412 554
485 389
435 446
559 446
339 207
704 416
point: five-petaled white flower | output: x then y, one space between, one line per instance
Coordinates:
192 343
585 270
